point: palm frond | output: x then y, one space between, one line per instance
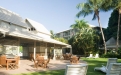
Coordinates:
85 9
118 5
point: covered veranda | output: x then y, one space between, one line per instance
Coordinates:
30 43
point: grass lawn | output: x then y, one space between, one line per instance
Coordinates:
91 64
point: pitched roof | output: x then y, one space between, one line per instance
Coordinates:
11 17
39 27
14 18
111 41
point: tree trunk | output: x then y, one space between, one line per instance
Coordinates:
118 31
102 34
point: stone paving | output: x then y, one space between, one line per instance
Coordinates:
27 66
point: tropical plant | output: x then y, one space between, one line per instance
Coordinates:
52 34
83 41
61 39
57 38
79 24
94 7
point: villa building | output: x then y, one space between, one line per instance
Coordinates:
67 34
31 35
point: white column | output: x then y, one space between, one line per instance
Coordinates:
34 49
54 53
61 57
18 45
71 50
46 51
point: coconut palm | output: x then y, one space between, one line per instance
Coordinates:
79 24
118 7
94 7
84 39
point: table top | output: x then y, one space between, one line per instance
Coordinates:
11 59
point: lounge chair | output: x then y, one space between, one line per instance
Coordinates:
96 56
90 56
114 69
105 68
76 69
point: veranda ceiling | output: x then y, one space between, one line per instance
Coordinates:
13 40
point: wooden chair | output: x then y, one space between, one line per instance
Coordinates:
14 63
68 56
58 57
79 58
64 56
46 63
39 61
35 63
31 56
74 60
3 60
75 69
17 61
37 55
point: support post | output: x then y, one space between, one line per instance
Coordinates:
18 45
46 52
34 49
71 50
54 53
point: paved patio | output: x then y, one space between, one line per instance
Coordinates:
28 66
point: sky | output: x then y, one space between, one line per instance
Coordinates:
56 15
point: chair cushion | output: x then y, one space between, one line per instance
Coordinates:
103 69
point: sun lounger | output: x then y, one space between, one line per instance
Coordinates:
90 56
96 56
105 68
114 69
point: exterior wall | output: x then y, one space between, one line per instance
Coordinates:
9 49
39 50
67 34
25 51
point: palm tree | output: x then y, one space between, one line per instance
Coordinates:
84 39
118 7
80 24
94 7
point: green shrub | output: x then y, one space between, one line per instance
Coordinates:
111 55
